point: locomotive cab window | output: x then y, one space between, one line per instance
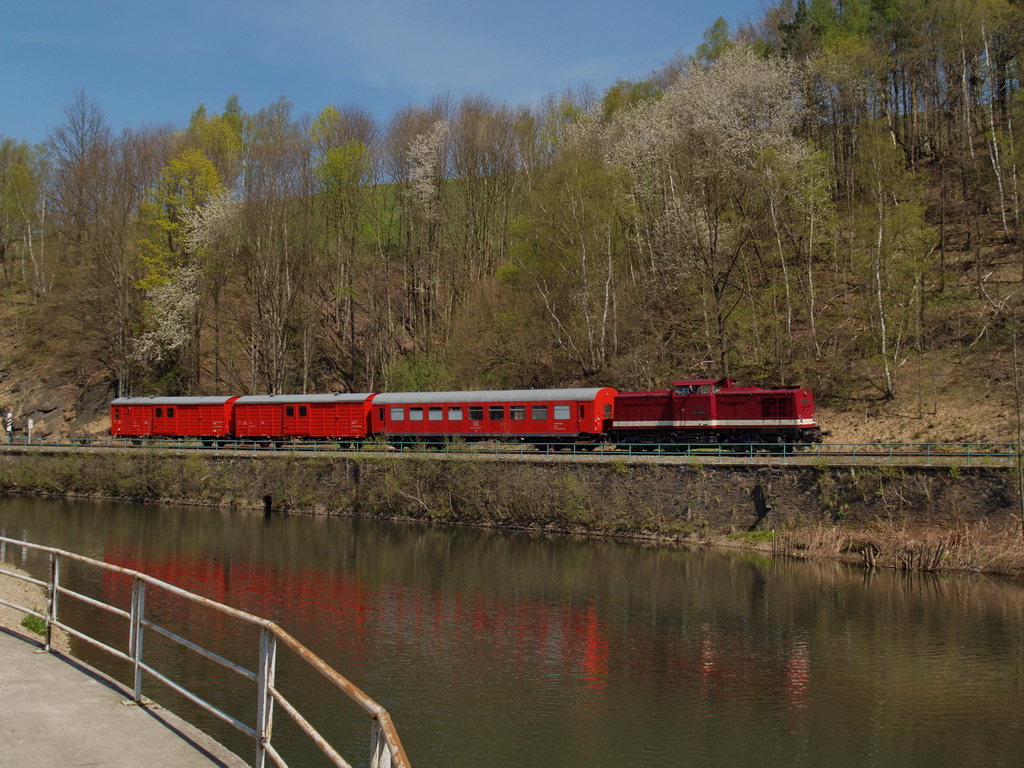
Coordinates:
476 413
608 410
496 412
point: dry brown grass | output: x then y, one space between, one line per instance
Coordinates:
979 547
950 395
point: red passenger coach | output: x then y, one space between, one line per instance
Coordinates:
559 417
716 411
342 417
205 418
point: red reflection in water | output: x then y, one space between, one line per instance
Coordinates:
798 674
340 614
566 636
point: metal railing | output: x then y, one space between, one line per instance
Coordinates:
927 454
385 747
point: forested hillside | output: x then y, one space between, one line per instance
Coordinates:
829 196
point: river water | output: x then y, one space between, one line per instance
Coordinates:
494 649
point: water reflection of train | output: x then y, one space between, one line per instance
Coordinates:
343 616
692 412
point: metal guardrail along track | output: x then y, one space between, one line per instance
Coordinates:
895 454
386 749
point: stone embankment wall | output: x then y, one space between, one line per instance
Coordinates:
616 498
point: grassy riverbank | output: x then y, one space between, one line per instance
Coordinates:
910 518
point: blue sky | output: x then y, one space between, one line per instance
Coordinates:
145 62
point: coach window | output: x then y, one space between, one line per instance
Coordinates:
517 412
302 410
455 413
581 412
496 412
563 412
397 413
435 414
476 413
170 413
159 413
539 412
415 414
289 410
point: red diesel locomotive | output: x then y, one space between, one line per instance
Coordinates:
693 412
710 411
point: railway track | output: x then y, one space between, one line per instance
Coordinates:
823 454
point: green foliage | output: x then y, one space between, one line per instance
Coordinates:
574 505
418 373
759 536
716 42
219 138
22 211
186 184
625 94
343 168
34 624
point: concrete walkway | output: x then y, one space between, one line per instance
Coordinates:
56 712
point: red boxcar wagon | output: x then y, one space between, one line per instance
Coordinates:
557 417
340 417
204 418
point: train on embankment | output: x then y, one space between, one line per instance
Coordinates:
692 413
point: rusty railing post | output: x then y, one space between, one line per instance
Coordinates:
264 702
51 603
135 634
